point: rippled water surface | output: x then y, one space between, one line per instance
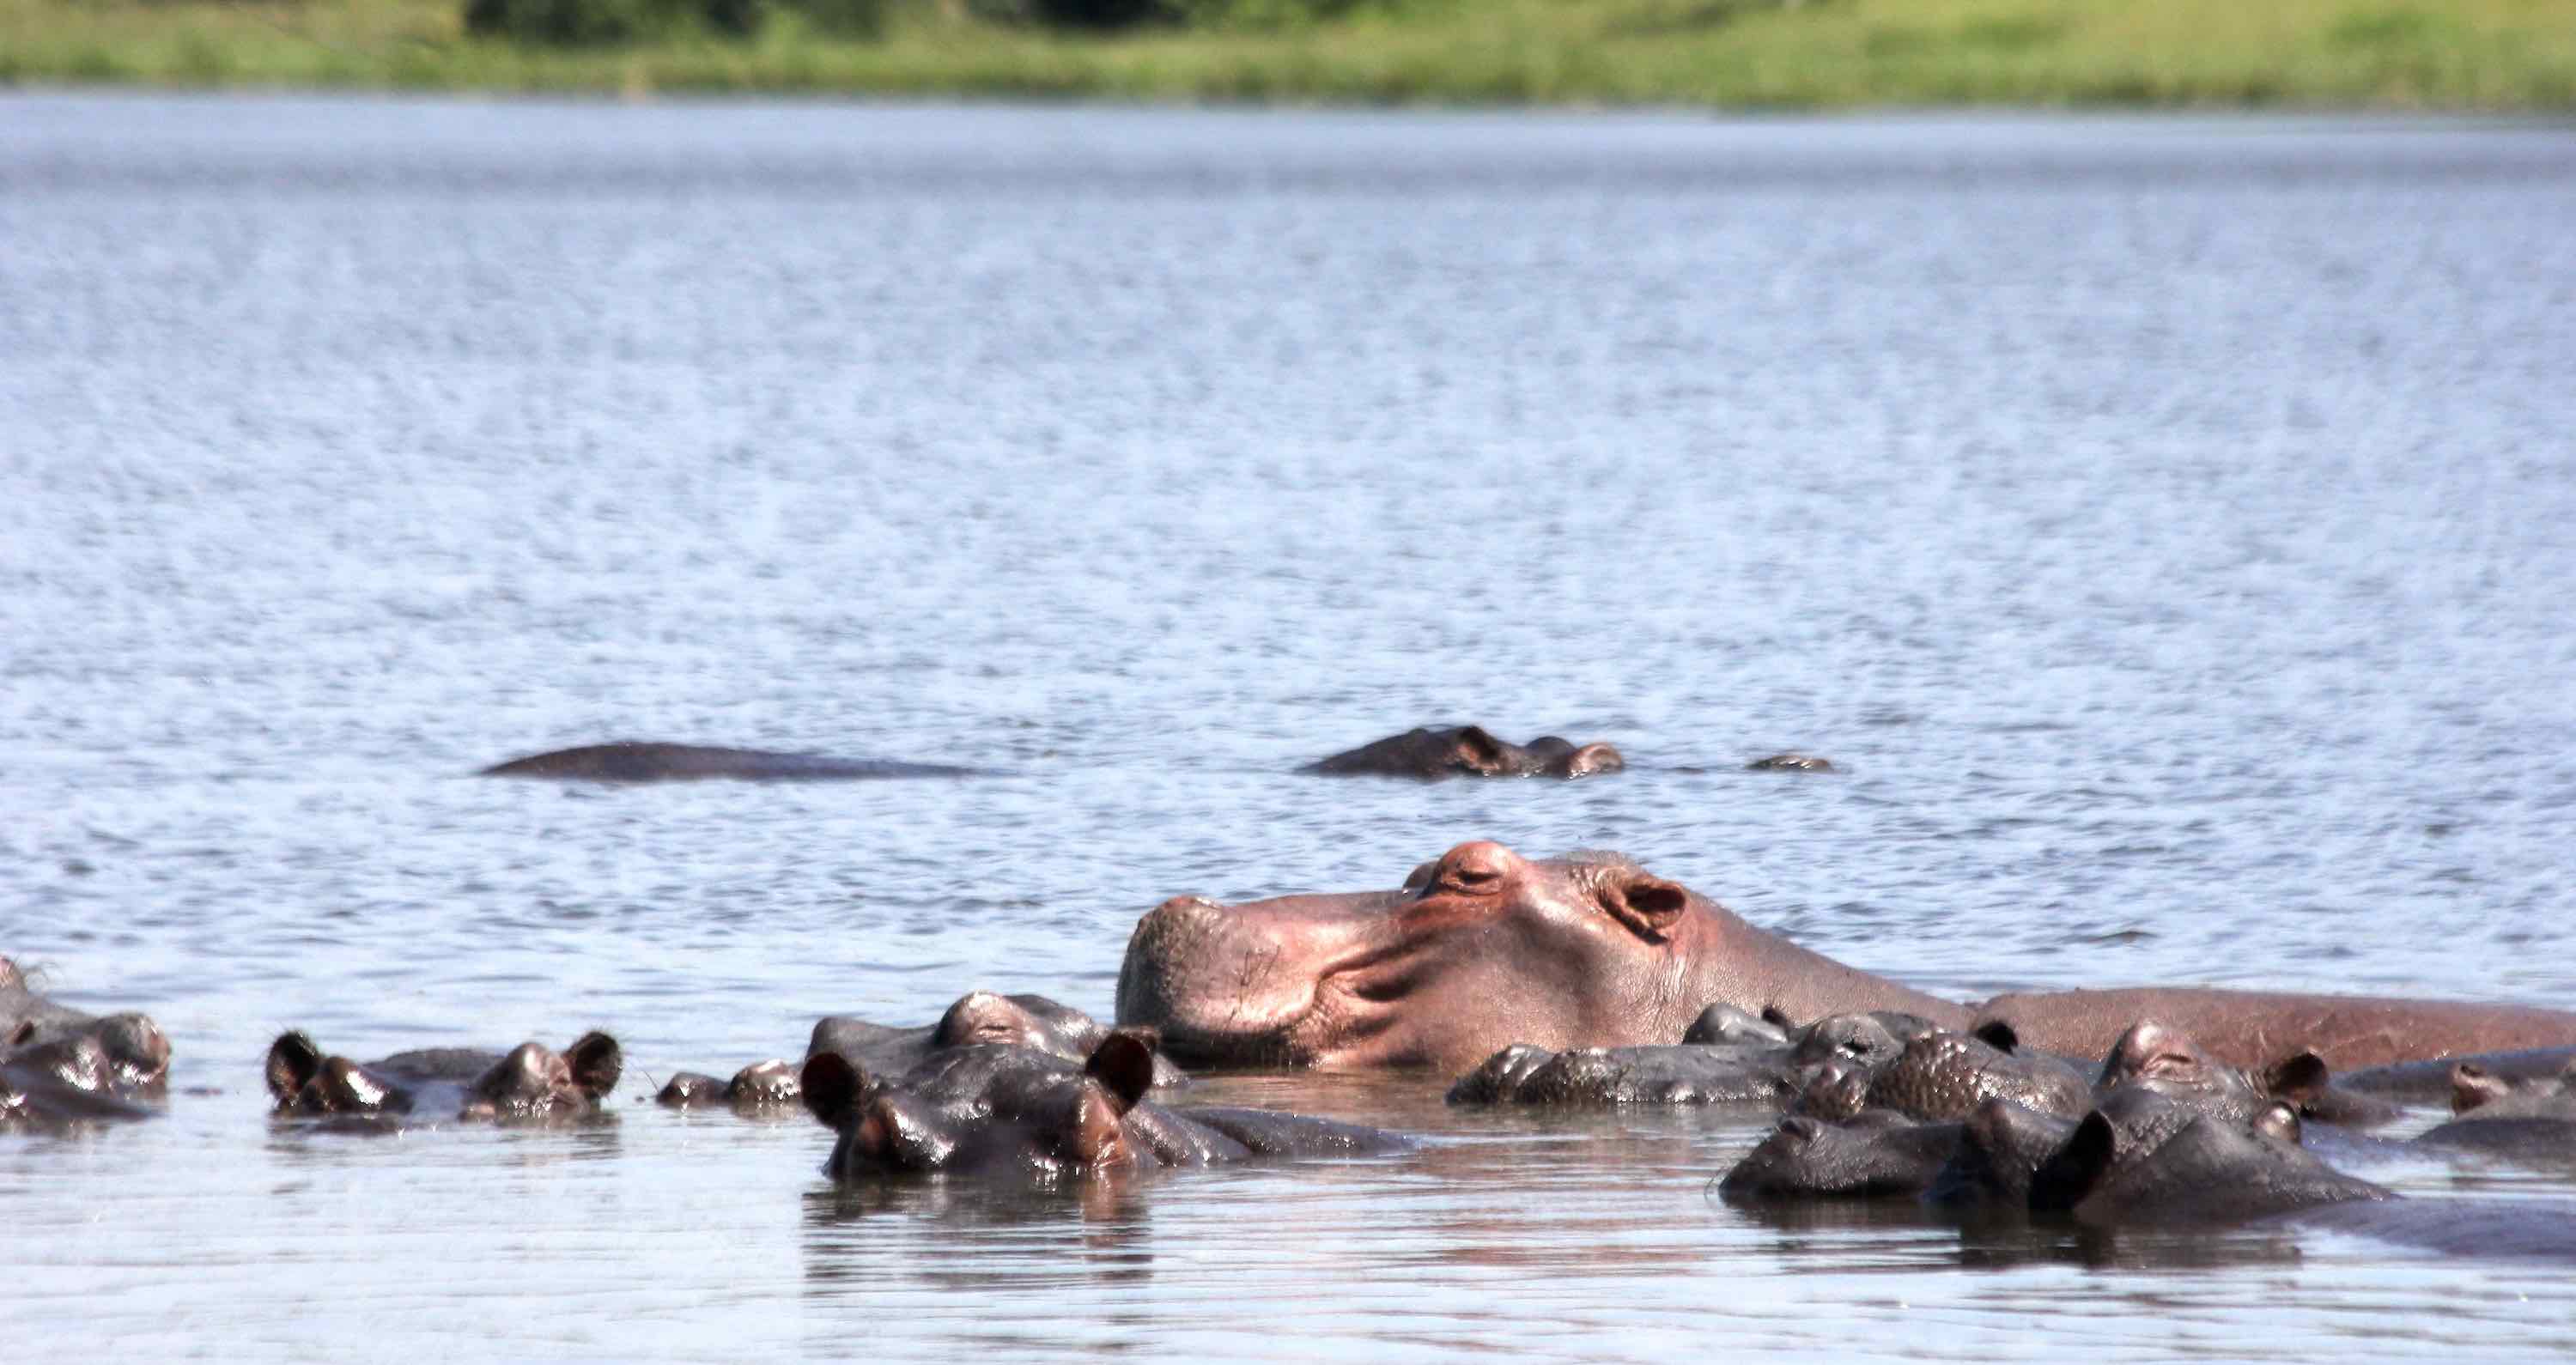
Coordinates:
2170 526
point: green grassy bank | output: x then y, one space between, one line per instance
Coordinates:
2400 54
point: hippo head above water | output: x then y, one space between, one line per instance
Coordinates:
985 1107
1470 751
531 1081
1480 949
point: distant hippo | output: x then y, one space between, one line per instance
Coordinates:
757 1088
640 761
1470 751
1791 763
998 1110
2256 1028
530 1082
1483 948
137 1053
977 1017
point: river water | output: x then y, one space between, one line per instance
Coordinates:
2169 524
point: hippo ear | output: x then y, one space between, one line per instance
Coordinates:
2473 1085
1124 1062
596 1063
1777 1017
2069 1174
1645 903
292 1061
1477 751
832 1084
2298 1080
1996 1034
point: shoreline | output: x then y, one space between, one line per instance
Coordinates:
2321 57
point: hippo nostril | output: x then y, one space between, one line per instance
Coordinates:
1801 1130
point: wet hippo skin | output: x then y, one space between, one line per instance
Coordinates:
137 1052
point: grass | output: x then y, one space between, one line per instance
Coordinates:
2515 55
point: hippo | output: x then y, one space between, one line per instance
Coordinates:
530 1082
63 1084
2253 1028
2194 1168
757 1088
1469 751
1481 948
2501 1116
2437 1081
2172 1063
1791 763
628 760
1945 1075
977 1017
1874 1153
1727 1057
137 1052
1001 1110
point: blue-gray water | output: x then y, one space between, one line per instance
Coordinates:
2170 525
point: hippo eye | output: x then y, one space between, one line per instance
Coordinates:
1472 878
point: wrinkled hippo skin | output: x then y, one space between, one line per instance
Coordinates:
1481 949
1790 763
1942 1075
758 1088
531 1082
1469 751
977 1017
642 761
137 1053
2252 1028
1005 1111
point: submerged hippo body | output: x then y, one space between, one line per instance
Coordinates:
531 1082
1727 1057
1469 751
136 1052
641 761
1006 1111
1482 949
977 1017
2254 1028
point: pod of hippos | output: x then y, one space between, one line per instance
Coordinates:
1581 980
